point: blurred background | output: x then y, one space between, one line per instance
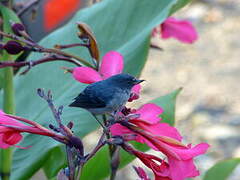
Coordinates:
208 108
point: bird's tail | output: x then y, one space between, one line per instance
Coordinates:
73 104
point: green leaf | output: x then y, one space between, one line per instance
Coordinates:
95 170
168 104
8 15
120 25
56 161
180 4
222 170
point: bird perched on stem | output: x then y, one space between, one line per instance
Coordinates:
107 96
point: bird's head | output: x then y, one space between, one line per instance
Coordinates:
124 80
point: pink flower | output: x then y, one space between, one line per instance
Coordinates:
10 130
174 169
148 121
180 157
181 30
159 167
161 137
112 64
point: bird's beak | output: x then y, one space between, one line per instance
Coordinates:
139 81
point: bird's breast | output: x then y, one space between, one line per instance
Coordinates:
120 98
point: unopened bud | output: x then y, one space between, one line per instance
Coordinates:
17 28
77 143
40 92
60 110
49 95
70 125
13 47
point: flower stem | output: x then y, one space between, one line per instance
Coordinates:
112 150
115 160
9 107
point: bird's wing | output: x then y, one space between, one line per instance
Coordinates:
88 99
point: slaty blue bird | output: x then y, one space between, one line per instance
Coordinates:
107 96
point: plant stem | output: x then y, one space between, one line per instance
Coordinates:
46 50
112 149
9 107
70 163
115 162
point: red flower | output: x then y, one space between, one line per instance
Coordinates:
112 64
173 169
181 30
159 167
10 130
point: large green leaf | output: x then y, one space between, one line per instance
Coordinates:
98 166
169 108
56 161
222 170
119 25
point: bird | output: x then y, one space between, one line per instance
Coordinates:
107 96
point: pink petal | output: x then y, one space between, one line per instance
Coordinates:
188 153
12 137
181 30
136 89
161 178
8 121
86 75
9 139
135 93
161 129
149 113
180 170
162 171
112 64
118 129
3 145
141 173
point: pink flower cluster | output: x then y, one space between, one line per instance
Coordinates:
181 30
147 128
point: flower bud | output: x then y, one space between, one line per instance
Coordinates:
17 28
13 47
